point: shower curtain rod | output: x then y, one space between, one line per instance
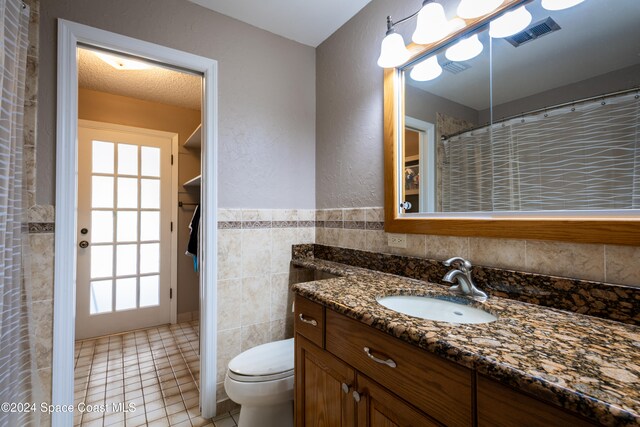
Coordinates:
551 107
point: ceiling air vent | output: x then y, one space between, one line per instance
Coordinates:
455 67
535 31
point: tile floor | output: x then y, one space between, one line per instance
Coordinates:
155 371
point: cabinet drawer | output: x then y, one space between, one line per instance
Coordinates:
499 405
440 388
309 320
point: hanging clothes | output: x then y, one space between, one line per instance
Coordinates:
192 246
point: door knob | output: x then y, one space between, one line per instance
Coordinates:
84 244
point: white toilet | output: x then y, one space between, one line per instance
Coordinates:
261 381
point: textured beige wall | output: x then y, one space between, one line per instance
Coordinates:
122 110
266 95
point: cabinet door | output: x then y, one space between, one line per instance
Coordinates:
324 386
430 383
377 407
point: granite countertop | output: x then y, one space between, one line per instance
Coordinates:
585 364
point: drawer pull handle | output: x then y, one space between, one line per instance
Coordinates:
312 322
388 362
345 388
356 396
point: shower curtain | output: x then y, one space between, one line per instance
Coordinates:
578 157
18 374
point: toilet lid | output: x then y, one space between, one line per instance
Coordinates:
274 359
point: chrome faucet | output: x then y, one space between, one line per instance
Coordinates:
462 274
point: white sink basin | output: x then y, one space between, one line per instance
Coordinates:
436 309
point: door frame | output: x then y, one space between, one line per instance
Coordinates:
174 149
70 35
428 159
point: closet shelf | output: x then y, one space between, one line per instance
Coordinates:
194 182
195 140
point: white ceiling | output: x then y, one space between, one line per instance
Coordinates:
308 22
156 84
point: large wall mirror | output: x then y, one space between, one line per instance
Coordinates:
535 135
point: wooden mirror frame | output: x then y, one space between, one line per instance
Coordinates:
623 230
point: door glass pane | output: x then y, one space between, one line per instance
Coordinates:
127 226
125 293
149 291
149 226
127 260
101 261
150 193
101 227
149 258
127 192
100 296
150 159
102 157
102 192
127 159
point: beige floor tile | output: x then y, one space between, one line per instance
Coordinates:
162 422
200 422
155 369
225 422
178 417
156 414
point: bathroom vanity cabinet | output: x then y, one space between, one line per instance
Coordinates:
350 374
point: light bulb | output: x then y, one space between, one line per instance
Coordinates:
560 4
432 25
428 69
469 9
510 23
393 52
465 49
121 63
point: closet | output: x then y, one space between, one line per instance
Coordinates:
188 198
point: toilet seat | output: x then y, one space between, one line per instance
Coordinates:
260 378
266 362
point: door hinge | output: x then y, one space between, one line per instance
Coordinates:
170 293
172 226
172 159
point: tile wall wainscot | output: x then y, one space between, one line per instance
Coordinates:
254 279
40 272
362 228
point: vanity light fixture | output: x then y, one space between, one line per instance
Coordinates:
427 70
432 26
469 9
465 49
510 23
560 4
121 63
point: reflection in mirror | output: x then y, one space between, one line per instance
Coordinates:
562 133
443 94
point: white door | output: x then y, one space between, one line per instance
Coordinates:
124 229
